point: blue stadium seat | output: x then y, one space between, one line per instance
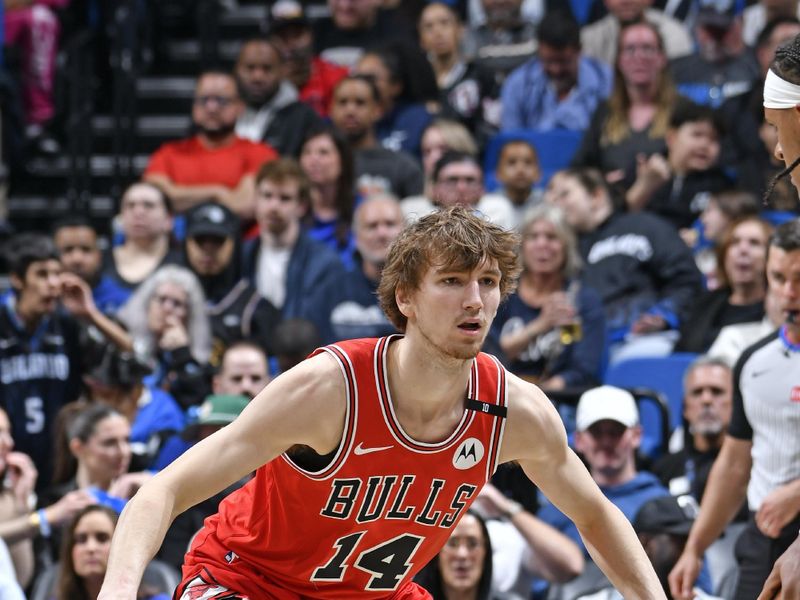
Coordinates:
663 374
555 149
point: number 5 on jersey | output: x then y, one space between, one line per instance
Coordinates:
388 563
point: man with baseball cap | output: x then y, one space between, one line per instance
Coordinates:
216 411
213 253
607 435
662 525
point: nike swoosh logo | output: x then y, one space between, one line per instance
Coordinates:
760 373
360 450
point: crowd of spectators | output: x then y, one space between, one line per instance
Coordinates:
262 235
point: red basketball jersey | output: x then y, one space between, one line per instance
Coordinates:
375 515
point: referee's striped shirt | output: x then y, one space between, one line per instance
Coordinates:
766 411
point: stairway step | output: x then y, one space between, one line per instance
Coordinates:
165 95
244 14
169 126
161 87
101 165
189 50
151 132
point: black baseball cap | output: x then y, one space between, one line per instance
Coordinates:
286 13
718 14
211 218
666 514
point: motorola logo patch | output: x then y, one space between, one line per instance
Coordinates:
468 454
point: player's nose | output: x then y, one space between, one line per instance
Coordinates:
472 295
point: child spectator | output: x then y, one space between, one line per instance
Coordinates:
518 171
676 187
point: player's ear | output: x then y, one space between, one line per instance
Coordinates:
403 299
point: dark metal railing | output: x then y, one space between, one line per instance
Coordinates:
78 130
127 31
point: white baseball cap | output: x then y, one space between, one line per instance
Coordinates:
606 402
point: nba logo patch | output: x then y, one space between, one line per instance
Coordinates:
795 395
230 557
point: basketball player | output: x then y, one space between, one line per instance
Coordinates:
782 109
369 452
759 457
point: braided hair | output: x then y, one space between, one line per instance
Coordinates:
785 65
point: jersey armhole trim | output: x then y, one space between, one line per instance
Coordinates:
499 424
350 420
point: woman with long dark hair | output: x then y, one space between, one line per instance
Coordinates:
97 452
84 553
327 160
84 556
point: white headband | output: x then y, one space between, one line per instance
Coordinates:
779 93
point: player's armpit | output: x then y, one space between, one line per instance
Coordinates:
305 405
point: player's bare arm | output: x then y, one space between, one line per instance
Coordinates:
285 413
535 437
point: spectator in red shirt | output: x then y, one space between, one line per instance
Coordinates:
214 164
314 77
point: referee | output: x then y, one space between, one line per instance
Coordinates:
760 457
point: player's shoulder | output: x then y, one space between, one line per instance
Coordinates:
525 397
531 416
320 371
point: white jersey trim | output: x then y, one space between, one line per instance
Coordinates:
351 414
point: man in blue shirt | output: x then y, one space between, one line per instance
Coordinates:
607 435
559 89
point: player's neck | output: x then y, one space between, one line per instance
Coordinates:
427 390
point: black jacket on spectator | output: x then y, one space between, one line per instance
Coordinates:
711 313
178 373
311 265
639 264
289 127
235 308
681 199
241 315
472 96
687 471
592 152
